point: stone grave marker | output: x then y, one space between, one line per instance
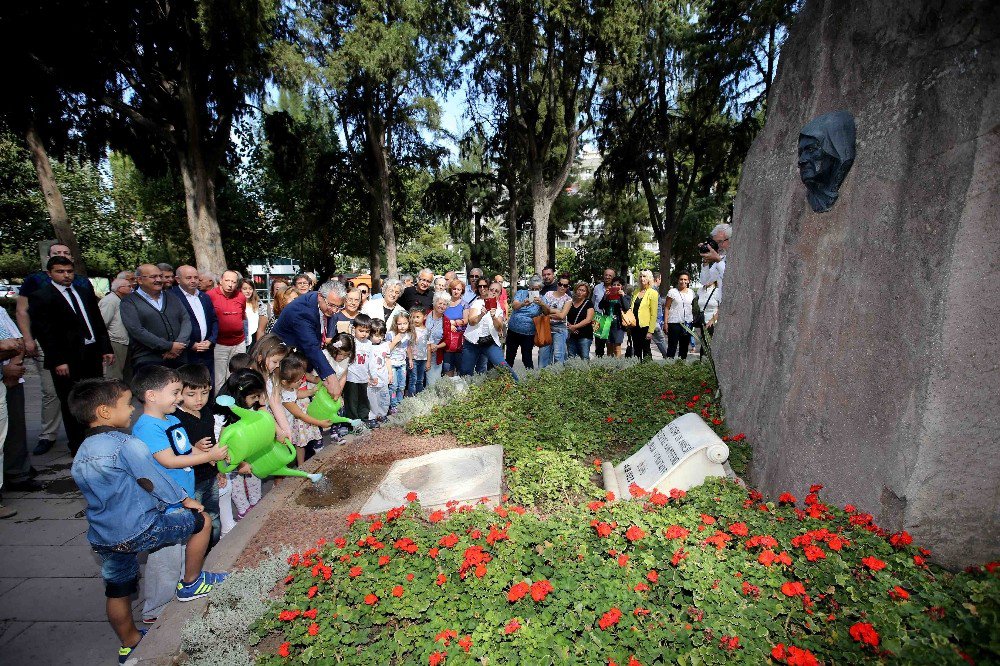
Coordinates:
461 474
682 455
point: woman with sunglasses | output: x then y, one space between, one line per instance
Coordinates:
482 337
556 305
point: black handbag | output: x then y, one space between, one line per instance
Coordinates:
697 314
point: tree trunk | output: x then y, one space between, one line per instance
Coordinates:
199 201
541 208
512 241
53 198
374 258
377 145
665 243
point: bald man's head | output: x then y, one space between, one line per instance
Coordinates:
187 278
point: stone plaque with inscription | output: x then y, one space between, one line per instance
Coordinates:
461 474
682 455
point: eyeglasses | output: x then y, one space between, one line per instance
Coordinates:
482 286
564 285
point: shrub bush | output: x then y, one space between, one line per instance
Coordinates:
714 576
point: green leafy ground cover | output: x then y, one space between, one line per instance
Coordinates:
711 577
555 575
556 422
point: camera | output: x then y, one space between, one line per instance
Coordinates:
703 248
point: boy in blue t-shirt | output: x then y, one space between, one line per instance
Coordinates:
159 390
133 505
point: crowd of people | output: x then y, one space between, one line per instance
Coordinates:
180 337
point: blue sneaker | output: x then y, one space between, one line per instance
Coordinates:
213 578
196 590
125 652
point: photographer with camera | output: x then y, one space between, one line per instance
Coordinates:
713 256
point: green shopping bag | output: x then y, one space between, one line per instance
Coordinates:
602 326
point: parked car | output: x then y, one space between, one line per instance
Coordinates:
8 290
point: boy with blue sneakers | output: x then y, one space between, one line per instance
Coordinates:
159 390
133 505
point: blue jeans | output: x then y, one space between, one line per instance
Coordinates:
476 355
397 385
120 563
206 492
578 347
556 352
418 377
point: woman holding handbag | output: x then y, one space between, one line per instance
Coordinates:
614 303
521 327
454 331
556 304
640 317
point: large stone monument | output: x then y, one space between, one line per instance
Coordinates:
859 347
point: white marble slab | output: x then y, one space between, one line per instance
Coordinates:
682 455
460 474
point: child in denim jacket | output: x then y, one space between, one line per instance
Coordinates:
133 505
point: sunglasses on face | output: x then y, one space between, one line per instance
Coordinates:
483 285
564 286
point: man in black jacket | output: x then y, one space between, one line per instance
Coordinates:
158 325
67 322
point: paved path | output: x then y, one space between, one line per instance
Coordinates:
51 593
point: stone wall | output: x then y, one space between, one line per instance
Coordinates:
860 348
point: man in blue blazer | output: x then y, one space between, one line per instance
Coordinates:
303 324
204 323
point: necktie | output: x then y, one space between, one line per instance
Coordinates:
78 307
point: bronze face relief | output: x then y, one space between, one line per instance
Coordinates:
826 153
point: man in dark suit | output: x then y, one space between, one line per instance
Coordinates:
303 325
68 323
204 323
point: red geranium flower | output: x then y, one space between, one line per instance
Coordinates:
441 579
679 555
313 629
411 496
603 529
539 589
708 520
623 560
676 532
311 613
312 591
793 656
865 633
632 661
436 516
636 490
465 643
899 593
793 588
641 587
397 591
739 529
371 599
634 533
901 539
512 626
288 615
786 498
283 649
448 540
596 505
873 563
653 576
437 658
610 618
814 553
517 591
354 572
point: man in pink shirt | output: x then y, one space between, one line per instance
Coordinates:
231 309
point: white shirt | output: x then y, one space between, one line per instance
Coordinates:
199 312
357 372
485 327
74 305
708 301
9 331
680 306
714 273
253 319
378 363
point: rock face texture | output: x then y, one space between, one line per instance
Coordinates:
860 347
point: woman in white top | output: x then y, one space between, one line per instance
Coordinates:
482 336
680 311
256 313
387 307
708 302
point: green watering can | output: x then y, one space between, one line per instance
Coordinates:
323 407
251 440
